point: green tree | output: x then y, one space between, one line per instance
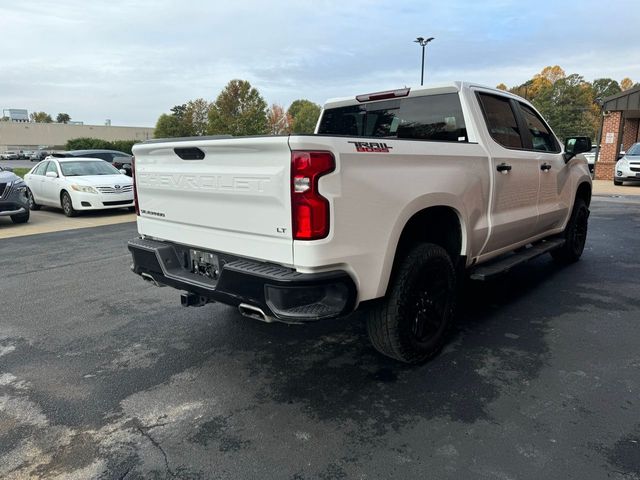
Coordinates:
304 116
123 145
63 118
179 110
297 105
41 117
605 87
186 120
567 104
170 126
196 116
238 110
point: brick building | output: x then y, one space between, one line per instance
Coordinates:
620 129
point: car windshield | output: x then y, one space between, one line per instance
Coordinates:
77 169
634 150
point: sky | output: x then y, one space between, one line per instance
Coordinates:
130 61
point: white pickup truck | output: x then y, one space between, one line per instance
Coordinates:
395 198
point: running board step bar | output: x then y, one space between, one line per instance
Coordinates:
503 263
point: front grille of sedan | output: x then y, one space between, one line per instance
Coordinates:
5 190
122 189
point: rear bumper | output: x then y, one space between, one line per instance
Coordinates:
281 293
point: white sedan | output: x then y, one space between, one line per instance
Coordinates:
78 184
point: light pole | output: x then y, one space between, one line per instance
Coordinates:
423 43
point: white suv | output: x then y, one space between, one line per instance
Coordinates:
628 167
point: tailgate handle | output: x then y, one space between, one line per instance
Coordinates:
189 153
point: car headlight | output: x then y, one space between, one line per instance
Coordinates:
84 189
624 163
20 186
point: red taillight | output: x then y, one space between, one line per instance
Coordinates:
309 209
135 189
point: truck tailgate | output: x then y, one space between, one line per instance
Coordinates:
236 199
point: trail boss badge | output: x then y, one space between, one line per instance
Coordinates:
375 147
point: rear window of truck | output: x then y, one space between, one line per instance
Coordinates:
430 117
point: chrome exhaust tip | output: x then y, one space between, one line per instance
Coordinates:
149 278
254 312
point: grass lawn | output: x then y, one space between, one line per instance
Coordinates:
20 171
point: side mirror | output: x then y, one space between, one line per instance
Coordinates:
123 171
575 145
52 174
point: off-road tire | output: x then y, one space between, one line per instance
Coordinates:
422 295
32 201
575 234
67 205
20 218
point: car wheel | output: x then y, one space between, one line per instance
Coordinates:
32 201
20 218
616 182
67 205
411 323
575 234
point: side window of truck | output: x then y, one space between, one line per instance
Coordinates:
541 136
432 117
501 120
429 117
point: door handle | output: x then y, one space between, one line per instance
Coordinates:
545 167
503 168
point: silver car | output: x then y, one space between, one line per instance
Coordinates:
9 156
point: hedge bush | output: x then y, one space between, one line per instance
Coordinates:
97 143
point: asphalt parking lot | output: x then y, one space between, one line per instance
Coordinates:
105 376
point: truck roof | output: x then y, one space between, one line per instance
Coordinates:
416 91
